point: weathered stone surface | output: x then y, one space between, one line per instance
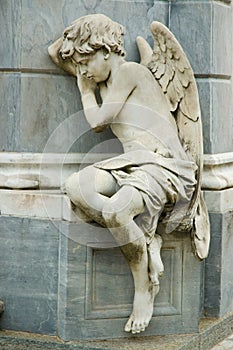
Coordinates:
218 276
45 102
10 35
218 175
191 24
222 116
211 332
9 111
199 26
204 90
216 106
221 39
29 276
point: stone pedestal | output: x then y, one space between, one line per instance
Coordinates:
96 286
60 278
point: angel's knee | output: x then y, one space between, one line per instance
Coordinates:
115 216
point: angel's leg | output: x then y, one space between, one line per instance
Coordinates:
118 213
88 190
155 263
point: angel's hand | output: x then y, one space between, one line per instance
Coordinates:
85 85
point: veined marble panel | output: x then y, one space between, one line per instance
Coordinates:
29 276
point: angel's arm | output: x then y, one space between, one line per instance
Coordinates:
99 117
54 52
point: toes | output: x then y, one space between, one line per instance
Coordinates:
128 326
139 327
135 329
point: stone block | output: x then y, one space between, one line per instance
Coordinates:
222 122
29 276
9 111
200 27
96 287
10 34
216 105
218 175
222 39
191 24
204 90
218 266
34 204
45 102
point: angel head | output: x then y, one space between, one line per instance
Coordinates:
90 33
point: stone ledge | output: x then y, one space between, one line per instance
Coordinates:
211 332
51 169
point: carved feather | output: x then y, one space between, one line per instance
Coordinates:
171 68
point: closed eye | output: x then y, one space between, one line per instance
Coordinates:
84 62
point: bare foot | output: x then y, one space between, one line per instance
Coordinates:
155 263
143 306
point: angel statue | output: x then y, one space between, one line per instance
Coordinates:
152 188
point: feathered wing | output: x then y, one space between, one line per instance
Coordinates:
171 68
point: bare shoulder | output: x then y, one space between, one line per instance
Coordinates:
132 72
132 68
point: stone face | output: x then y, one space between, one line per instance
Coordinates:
217 175
42 113
98 306
193 32
218 266
216 105
222 49
10 111
29 276
10 43
222 140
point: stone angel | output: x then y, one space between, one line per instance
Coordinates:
153 188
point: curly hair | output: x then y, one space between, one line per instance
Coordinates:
92 32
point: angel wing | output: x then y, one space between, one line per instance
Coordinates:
172 70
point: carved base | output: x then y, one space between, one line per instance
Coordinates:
55 284
98 306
